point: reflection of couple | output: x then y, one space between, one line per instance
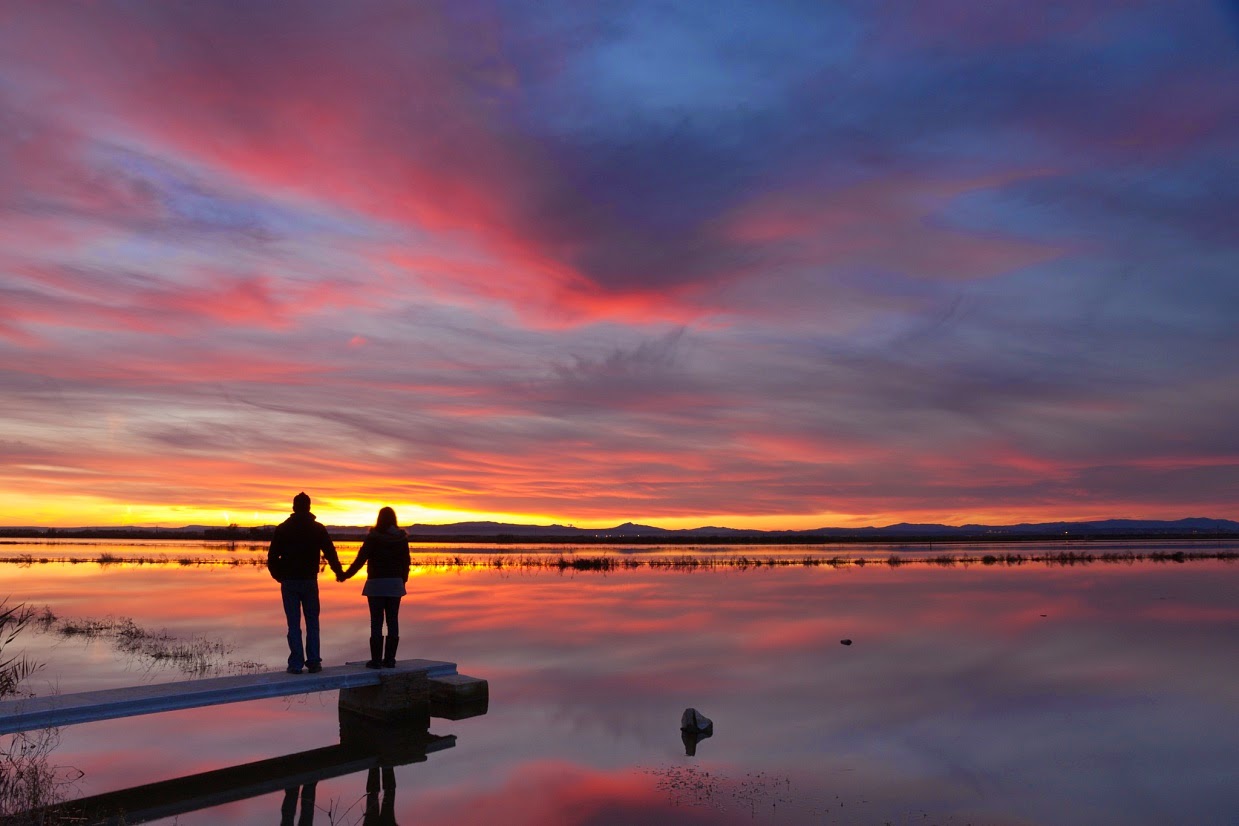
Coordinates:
293 560
377 813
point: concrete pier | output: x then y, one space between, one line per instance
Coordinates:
384 721
378 693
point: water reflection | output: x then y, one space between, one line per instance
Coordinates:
691 739
366 745
381 813
380 801
294 795
1029 695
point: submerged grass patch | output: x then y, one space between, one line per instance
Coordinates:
688 561
693 562
196 656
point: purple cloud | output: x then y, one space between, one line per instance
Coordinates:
926 261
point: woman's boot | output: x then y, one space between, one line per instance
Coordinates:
389 654
376 652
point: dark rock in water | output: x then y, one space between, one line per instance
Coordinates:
694 727
691 739
694 720
845 642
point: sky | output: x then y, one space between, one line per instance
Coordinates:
768 265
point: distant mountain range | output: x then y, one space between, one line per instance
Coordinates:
630 532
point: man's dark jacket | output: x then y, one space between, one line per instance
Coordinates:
295 549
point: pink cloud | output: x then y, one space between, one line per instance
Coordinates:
472 307
886 224
450 164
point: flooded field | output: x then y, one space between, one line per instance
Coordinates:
1098 688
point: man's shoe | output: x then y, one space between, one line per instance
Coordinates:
292 670
314 668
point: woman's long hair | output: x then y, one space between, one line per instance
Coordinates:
387 519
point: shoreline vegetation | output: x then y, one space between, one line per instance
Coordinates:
671 562
28 780
30 783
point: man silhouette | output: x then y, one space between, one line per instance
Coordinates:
293 560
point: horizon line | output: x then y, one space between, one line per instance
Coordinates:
626 523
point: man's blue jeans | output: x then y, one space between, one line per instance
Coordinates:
301 596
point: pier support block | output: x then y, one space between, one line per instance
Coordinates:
398 696
458 696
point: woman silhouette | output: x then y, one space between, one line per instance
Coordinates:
385 553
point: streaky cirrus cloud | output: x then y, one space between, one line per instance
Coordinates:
812 263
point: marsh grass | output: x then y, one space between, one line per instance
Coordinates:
688 561
691 562
28 779
30 782
33 788
14 668
196 656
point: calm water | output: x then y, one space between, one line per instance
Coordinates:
1104 693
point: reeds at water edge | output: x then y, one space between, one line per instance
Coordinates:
672 562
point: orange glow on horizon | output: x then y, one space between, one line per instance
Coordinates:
23 510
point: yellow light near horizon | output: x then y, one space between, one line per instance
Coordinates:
17 508
21 508
359 512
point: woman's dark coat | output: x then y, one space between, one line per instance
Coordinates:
385 555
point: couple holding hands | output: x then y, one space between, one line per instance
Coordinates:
293 560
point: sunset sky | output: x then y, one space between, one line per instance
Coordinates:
750 264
